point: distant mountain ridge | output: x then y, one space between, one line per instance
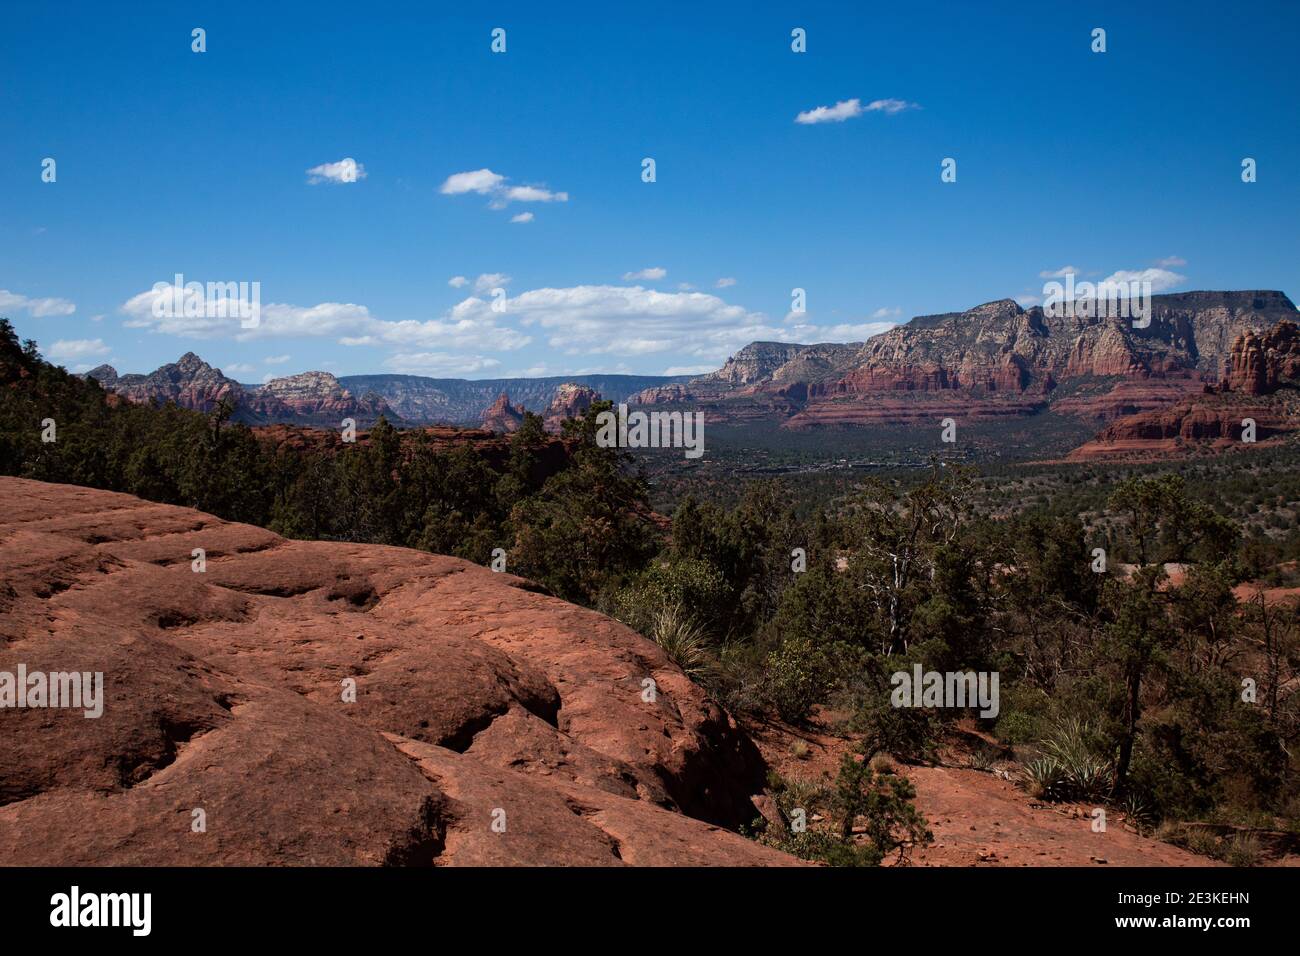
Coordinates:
319 398
465 401
311 398
995 359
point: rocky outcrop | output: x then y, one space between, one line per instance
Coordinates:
503 417
1260 364
312 398
318 398
188 382
774 368
570 401
336 704
1259 385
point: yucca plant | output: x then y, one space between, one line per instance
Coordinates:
1137 813
684 641
982 758
1043 778
1084 774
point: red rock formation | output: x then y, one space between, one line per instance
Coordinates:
318 398
189 382
569 401
228 691
503 417
999 352
894 410
1107 402
1259 364
1262 372
312 398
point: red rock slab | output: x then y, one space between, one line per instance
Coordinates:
498 817
261 690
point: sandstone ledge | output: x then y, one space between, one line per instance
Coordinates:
223 692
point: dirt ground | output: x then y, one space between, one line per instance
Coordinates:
979 818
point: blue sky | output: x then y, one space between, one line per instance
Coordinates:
170 161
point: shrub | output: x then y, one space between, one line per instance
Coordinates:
904 732
982 758
1242 850
883 764
681 639
798 675
1202 841
685 582
1137 812
884 802
1018 727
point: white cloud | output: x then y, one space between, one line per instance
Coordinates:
848 109
276 359
540 370
890 107
689 369
1161 279
439 364
478 181
632 320
491 280
533 194
726 282
884 313
1171 262
487 183
1060 273
65 349
238 368
844 109
37 308
607 321
344 171
522 217
471 324
457 282
652 274
860 332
